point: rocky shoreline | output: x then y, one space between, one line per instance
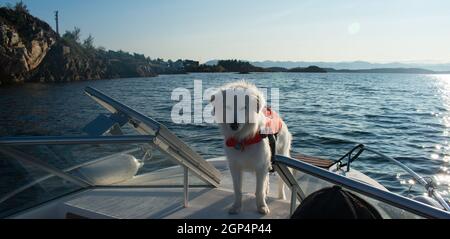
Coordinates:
30 51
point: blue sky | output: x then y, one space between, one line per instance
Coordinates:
308 30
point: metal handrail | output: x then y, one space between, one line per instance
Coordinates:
57 140
398 201
21 156
429 187
48 176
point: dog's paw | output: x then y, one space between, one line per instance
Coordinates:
234 210
264 210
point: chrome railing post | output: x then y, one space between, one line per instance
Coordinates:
186 187
286 175
293 199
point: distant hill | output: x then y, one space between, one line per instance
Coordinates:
239 66
385 70
311 69
245 67
276 69
351 65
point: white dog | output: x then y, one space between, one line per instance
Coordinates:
246 147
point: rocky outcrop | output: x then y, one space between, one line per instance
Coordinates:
30 51
65 63
24 44
68 61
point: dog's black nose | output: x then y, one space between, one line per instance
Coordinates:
234 126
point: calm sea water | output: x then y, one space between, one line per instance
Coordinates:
402 115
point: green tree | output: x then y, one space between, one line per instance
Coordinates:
101 48
89 42
21 7
73 35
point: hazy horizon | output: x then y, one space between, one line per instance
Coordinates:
313 31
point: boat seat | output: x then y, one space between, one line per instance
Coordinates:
318 162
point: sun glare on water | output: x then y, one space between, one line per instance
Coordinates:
442 152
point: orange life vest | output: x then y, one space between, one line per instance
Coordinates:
273 125
273 122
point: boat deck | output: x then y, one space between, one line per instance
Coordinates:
136 200
156 203
166 202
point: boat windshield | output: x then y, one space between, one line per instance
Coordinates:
39 169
